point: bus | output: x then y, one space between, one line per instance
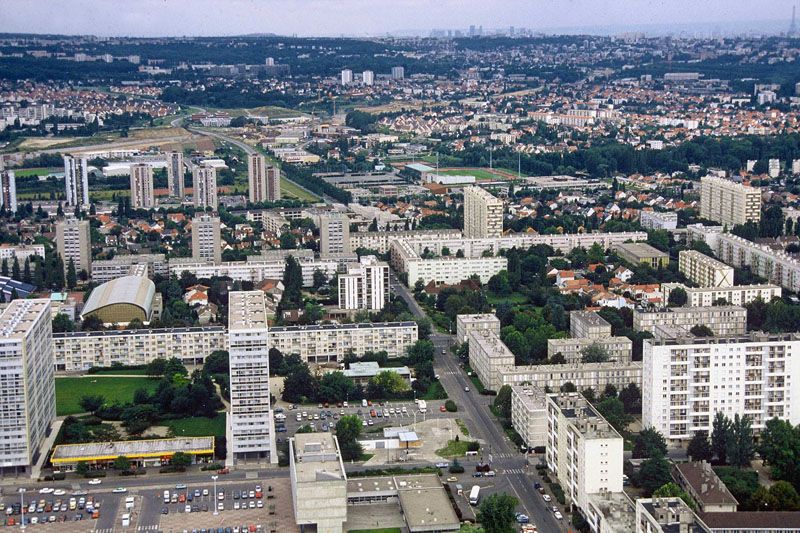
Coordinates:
474 495
423 406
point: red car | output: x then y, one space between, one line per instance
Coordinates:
442 409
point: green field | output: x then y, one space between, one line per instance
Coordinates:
479 173
454 448
512 299
290 188
122 372
39 171
69 391
198 426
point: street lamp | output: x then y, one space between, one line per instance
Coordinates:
22 508
216 505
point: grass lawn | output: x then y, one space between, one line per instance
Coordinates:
197 426
384 530
460 423
513 299
69 391
122 372
40 171
454 448
290 188
435 392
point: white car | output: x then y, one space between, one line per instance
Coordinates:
95 481
46 490
252 504
59 492
546 497
120 490
558 515
220 506
466 389
187 509
259 504
205 492
236 506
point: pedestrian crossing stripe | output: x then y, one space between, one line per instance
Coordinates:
513 471
147 528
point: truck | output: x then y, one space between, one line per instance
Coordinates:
423 406
474 495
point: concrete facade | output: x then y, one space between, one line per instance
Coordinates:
465 324
483 214
703 270
529 415
729 203
722 319
738 295
319 481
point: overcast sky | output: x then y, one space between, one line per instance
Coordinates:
372 17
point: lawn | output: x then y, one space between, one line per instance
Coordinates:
39 171
460 423
69 391
481 174
121 372
290 188
454 448
435 392
197 426
512 299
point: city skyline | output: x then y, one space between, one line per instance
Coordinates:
408 17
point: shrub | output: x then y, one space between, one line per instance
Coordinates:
450 405
212 466
558 492
456 468
473 446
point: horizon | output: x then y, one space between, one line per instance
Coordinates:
408 18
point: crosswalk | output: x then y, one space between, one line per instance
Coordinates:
513 471
151 527
106 530
505 455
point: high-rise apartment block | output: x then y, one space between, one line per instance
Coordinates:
205 188
76 179
175 180
142 196
583 450
483 214
368 77
398 73
347 76
27 375
319 481
263 180
74 242
206 240
687 380
8 191
729 203
774 168
703 270
334 235
365 285
251 431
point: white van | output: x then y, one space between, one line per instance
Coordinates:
364 402
166 496
126 520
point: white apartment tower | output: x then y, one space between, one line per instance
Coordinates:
347 76
73 241
205 187
28 383
334 235
687 380
250 429
206 240
483 214
729 203
583 450
703 270
76 178
365 286
398 73
175 181
8 190
368 77
264 180
142 196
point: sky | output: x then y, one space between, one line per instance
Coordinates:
149 18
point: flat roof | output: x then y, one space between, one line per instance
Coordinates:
247 310
425 504
130 332
133 449
19 315
316 458
640 249
589 317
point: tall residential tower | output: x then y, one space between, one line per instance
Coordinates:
175 181
483 214
142 196
76 178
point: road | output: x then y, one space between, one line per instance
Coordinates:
513 473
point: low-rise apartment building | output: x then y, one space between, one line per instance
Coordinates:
738 295
448 269
257 268
319 481
468 323
20 252
658 220
776 267
379 241
619 349
529 415
703 270
641 253
489 358
588 325
120 265
688 380
667 515
583 451
700 482
722 319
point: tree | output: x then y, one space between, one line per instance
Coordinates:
499 283
740 448
82 468
568 387
763 500
613 411
631 397
181 459
62 323
780 449
15 271
72 275
320 279
348 429
299 384
287 241
335 387
649 443
451 406
424 327
701 330
420 351
677 297
386 384
122 463
502 402
654 473
92 403
293 285
673 490
594 353
496 513
785 495
699 448
156 368
720 436
275 361
217 362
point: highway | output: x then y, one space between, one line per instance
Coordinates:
514 476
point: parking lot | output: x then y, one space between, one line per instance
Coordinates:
61 510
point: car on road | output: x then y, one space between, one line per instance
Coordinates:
442 464
490 473
442 408
452 479
120 490
558 515
46 490
180 486
59 492
522 518
546 497
477 474
554 509
466 389
364 422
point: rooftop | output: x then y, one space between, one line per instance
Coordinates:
590 318
639 249
583 416
71 453
19 315
753 520
532 398
617 509
707 487
368 369
702 258
317 458
246 310
334 327
131 290
425 504
673 515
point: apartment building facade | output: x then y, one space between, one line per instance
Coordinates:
76 181
176 184
588 325
73 241
722 319
619 349
738 295
776 267
142 196
120 265
654 220
365 285
529 415
206 239
334 235
468 323
483 214
204 183
728 202
703 270
8 190
688 380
